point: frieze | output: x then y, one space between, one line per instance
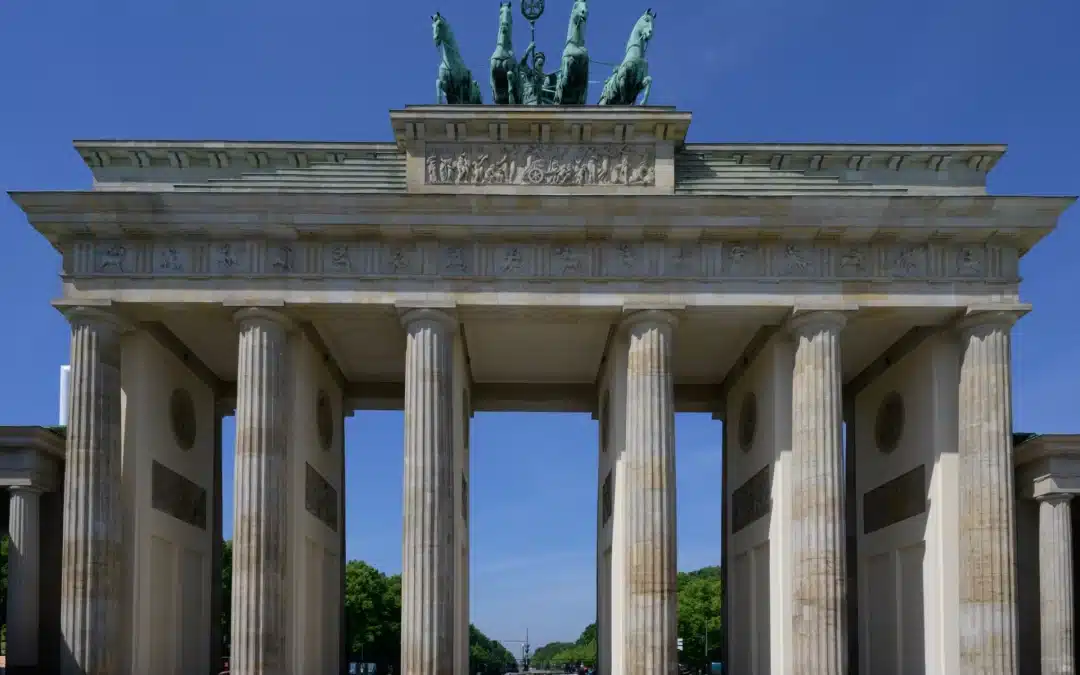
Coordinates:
751 501
539 164
744 260
320 498
177 496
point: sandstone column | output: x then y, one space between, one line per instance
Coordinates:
1056 585
428 549
988 629
259 532
24 529
819 580
90 577
651 627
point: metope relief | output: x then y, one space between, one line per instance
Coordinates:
536 164
320 498
736 260
177 496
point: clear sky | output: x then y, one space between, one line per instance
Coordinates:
750 70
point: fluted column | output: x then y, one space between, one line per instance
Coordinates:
24 530
259 531
817 491
428 551
652 601
988 628
1056 585
90 577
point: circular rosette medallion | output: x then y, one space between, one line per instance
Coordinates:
748 421
889 425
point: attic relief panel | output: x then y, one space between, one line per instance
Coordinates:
535 164
746 260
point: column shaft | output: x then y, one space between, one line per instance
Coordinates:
428 553
90 610
988 628
24 529
1056 585
817 490
651 625
259 532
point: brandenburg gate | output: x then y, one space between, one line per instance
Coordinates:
844 309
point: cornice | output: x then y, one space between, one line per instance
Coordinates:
144 154
36 439
1012 220
936 158
1047 446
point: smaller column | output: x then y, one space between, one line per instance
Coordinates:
1056 585
24 528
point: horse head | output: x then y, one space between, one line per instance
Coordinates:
439 29
643 31
579 14
506 20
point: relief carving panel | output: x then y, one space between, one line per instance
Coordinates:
539 164
894 501
751 500
320 497
175 495
737 260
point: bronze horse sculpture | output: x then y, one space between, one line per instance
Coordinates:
455 83
631 77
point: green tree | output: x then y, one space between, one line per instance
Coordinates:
226 595
700 616
372 614
488 656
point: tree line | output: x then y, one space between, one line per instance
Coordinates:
700 627
373 621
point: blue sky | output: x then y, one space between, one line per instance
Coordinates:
749 70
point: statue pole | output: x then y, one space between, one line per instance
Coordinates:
532 10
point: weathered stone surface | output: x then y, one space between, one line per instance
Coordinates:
1056 610
538 164
320 497
428 616
652 601
988 629
90 609
178 496
817 483
259 539
23 577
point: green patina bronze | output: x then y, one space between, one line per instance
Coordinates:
516 82
455 83
631 77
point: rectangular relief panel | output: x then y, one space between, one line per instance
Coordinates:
320 498
896 500
535 164
177 496
751 500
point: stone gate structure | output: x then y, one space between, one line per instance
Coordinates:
542 258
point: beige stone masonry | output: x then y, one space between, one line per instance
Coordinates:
428 617
1056 585
92 573
652 600
817 485
259 599
988 610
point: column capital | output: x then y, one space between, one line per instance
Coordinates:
252 315
28 489
98 317
977 319
806 321
441 315
657 317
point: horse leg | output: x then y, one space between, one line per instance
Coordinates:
438 91
647 81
